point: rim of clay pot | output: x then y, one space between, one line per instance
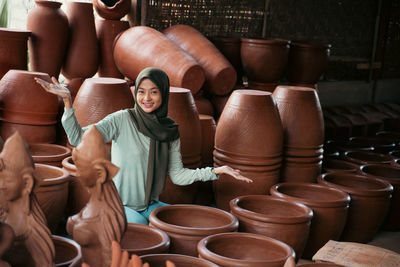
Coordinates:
160 247
155 221
280 210
309 44
295 93
179 258
330 164
269 41
375 142
63 176
368 186
396 163
14 33
389 135
43 152
382 171
204 252
348 146
68 164
302 192
49 3
366 157
394 153
104 6
70 243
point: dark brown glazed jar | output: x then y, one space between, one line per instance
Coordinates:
50 154
364 157
112 9
50 29
158 260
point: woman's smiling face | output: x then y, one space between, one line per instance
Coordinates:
148 96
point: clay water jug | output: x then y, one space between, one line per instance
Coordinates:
48 44
112 9
141 47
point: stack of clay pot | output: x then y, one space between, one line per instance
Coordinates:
303 127
249 138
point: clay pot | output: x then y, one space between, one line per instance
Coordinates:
396 163
99 97
30 133
142 239
13 50
380 145
370 199
249 138
334 165
158 260
281 219
186 225
140 47
264 59
73 86
395 153
52 192
24 101
387 135
50 154
220 74
219 103
328 205
112 9
363 157
244 249
204 106
300 172
318 264
343 146
82 56
68 252
107 31
392 175
50 29
307 61
268 87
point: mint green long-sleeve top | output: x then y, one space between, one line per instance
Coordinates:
130 152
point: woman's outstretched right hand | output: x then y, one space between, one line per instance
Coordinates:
57 89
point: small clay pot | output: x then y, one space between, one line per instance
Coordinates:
244 249
68 252
112 9
363 157
186 225
281 219
142 239
158 260
334 165
30 133
370 199
50 154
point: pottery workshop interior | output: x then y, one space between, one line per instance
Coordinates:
199 133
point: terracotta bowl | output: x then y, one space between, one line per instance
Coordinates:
158 260
187 224
50 154
363 157
244 249
142 239
281 219
328 205
370 199
68 252
333 165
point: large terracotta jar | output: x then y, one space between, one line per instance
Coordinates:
50 29
186 225
264 59
68 252
182 109
107 31
364 157
244 249
30 133
50 154
13 50
220 74
82 56
329 205
142 239
390 174
249 138
370 199
268 87
158 260
112 9
307 61
281 219
141 47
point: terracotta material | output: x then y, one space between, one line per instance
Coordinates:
370 199
7 237
220 74
159 260
333 165
31 133
82 56
396 163
268 87
73 86
24 101
395 154
387 135
140 47
142 239
363 157
380 145
328 205
302 172
48 44
281 219
68 252
264 59
186 225
307 61
13 50
319 264
219 103
343 146
112 9
249 138
107 31
392 175
244 249
20 209
203 104
49 154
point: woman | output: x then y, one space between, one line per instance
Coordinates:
145 145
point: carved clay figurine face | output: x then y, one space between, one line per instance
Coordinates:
148 96
11 185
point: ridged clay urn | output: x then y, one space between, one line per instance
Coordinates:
158 260
244 249
112 9
50 154
364 157
186 225
390 174
68 252
334 165
50 30
141 47
285 220
82 56
31 133
370 199
249 138
220 74
13 50
330 207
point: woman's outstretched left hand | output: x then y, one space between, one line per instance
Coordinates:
232 172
